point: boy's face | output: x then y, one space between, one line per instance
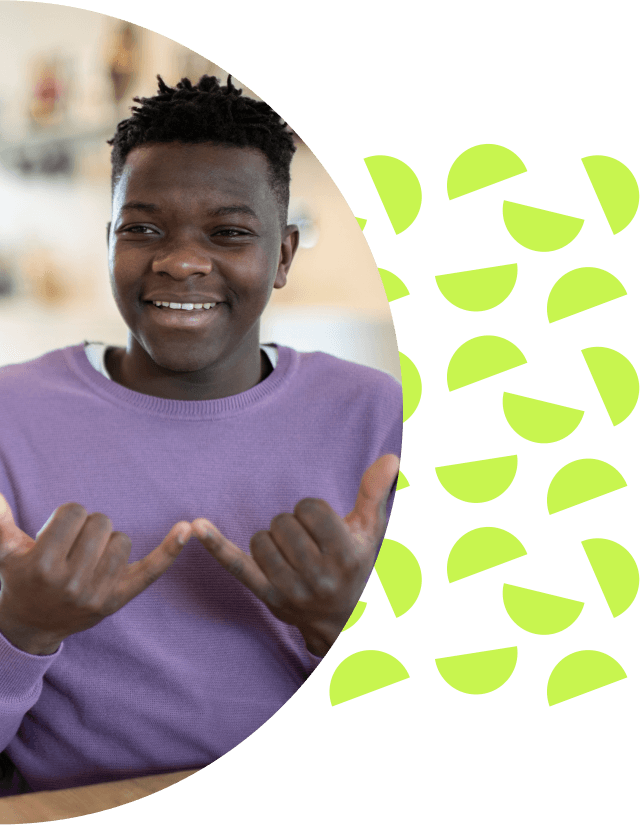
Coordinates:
196 224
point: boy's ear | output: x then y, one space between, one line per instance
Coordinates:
288 247
108 232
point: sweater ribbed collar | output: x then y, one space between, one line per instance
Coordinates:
170 408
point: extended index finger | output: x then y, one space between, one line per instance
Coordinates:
241 566
141 574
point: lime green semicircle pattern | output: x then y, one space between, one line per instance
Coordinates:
580 673
393 286
364 672
538 229
539 421
477 290
616 189
478 481
402 482
482 166
616 381
400 574
582 481
539 613
481 358
480 672
615 570
582 289
412 386
398 188
357 612
482 549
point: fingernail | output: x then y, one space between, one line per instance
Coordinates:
183 538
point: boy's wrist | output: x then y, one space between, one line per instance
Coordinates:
29 640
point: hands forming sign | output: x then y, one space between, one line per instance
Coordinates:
73 575
311 566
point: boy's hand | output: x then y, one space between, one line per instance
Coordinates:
311 566
72 576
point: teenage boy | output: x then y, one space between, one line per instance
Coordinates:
193 440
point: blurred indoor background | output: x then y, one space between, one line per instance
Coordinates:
68 77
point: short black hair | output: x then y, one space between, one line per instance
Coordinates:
208 112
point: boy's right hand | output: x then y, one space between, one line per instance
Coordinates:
72 576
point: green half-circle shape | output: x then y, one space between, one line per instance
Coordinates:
478 673
402 482
478 481
478 289
539 613
582 289
412 386
393 286
357 612
580 673
582 481
398 188
400 575
539 421
482 166
481 358
538 229
616 381
364 672
615 570
482 549
616 189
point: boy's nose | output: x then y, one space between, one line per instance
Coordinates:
183 261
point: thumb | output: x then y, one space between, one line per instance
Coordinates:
368 515
12 538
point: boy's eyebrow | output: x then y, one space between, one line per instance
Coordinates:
221 211
141 207
232 210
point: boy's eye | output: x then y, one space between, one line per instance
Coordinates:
230 233
137 229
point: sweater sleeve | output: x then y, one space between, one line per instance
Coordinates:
21 676
21 673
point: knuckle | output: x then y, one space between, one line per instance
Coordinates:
100 521
259 541
310 507
300 594
72 510
72 591
236 568
281 521
273 598
326 586
120 542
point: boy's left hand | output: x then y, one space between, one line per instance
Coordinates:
311 566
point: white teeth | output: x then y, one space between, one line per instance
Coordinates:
182 306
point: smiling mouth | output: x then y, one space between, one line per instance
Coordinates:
187 307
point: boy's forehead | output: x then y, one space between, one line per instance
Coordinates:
205 169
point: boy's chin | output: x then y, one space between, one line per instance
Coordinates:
182 362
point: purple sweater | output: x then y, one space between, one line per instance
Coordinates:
196 663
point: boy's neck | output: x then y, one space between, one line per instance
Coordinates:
143 376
